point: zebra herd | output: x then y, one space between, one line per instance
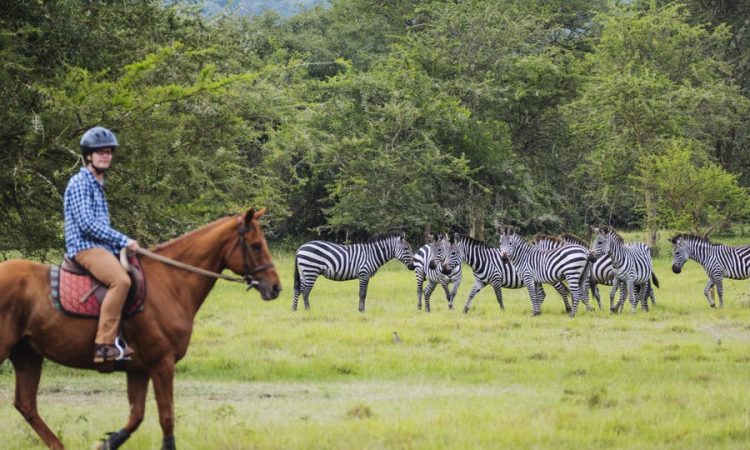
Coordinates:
517 263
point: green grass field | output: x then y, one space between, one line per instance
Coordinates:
259 376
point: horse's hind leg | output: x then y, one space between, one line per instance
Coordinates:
137 388
28 368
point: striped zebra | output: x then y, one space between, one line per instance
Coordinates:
490 268
347 262
536 266
547 242
440 263
719 261
631 265
601 269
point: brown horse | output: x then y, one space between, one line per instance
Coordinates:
31 329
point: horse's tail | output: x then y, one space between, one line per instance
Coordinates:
296 275
654 279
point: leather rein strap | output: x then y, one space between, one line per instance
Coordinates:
247 278
188 267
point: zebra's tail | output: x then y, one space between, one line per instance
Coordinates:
654 279
586 272
296 275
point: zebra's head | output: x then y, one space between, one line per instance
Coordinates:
680 253
453 258
438 249
509 242
602 243
403 252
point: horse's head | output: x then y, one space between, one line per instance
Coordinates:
250 257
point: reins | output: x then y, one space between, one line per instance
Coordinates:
189 268
247 278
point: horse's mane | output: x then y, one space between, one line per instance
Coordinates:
570 237
198 231
692 237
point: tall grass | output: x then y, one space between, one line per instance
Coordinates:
258 375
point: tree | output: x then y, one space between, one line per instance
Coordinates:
688 191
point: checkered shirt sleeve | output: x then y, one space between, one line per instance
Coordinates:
87 222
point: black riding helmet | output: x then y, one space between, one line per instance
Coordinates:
96 138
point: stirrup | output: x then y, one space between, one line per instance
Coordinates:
120 345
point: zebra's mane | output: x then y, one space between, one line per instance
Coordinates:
692 237
473 241
383 237
547 237
570 237
611 231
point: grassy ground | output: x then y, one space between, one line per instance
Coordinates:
261 376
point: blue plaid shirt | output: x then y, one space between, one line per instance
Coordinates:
87 216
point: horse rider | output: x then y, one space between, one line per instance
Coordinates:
91 241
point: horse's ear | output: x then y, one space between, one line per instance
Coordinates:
252 214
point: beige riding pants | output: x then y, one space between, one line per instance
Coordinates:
107 269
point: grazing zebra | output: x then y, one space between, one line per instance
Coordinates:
439 262
601 269
346 262
631 265
719 261
490 268
536 266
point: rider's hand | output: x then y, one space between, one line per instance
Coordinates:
132 245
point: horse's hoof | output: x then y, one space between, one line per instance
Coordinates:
466 310
534 314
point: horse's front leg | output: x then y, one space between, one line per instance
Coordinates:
28 367
162 376
137 388
364 279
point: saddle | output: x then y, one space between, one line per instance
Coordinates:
77 293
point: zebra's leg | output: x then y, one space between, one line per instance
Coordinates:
563 291
420 281
631 296
499 295
707 292
720 291
364 279
454 291
306 296
595 292
536 300
651 294
575 293
612 292
642 298
478 285
295 299
447 291
428 293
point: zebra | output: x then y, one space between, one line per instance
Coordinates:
536 266
547 242
490 268
601 269
347 262
440 263
718 260
631 265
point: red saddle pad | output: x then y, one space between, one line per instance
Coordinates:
82 295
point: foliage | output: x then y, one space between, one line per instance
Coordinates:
690 192
351 117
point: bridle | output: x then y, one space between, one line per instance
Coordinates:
247 274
